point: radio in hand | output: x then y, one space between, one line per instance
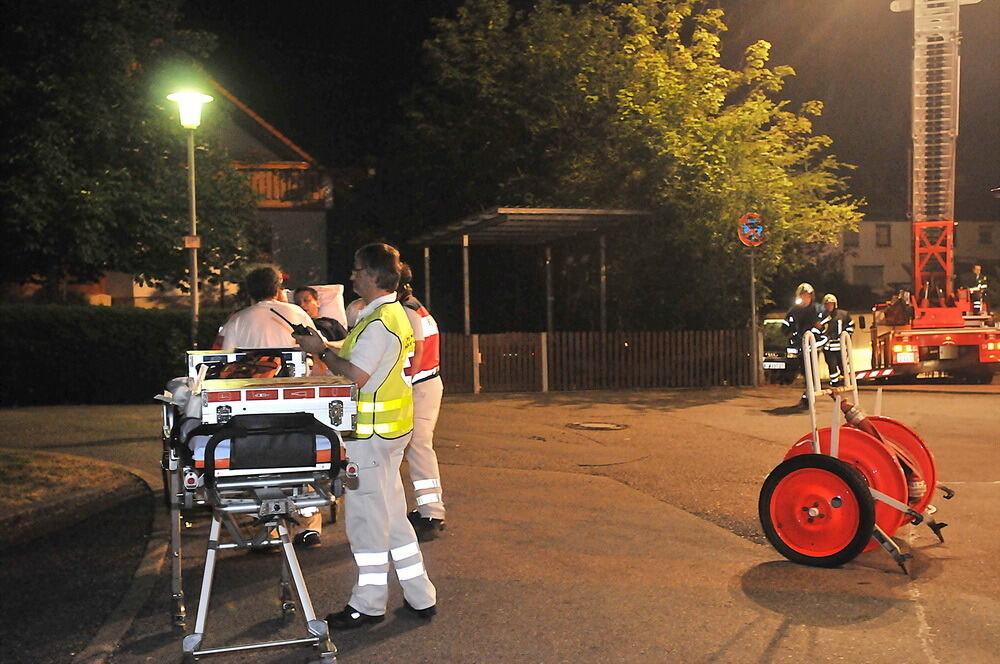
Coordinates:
296 327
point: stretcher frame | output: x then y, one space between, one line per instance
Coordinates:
271 495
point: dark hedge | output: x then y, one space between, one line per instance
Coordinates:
56 354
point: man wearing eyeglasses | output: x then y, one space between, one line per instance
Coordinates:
375 356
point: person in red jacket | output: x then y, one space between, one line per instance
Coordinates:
425 369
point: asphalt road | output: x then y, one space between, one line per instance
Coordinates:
631 545
58 589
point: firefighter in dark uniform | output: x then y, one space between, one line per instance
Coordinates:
805 315
978 284
834 322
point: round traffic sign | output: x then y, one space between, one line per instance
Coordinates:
751 229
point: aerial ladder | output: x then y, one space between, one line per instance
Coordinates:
936 328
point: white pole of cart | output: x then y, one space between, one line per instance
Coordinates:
809 357
847 362
835 428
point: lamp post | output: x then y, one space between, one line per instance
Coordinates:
190 104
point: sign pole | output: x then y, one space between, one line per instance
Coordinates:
753 321
751 234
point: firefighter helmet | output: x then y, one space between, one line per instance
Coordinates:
803 289
830 297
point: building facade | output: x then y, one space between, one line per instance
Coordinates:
880 254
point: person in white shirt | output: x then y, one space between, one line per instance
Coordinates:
257 327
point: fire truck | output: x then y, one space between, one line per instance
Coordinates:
936 328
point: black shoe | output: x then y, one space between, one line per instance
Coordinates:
308 539
350 618
803 404
426 528
426 614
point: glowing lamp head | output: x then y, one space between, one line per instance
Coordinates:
190 104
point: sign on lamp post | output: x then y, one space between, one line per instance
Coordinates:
190 104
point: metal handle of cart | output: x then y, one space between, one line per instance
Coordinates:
814 387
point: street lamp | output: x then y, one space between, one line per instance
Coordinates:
190 104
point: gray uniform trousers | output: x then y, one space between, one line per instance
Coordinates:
378 530
420 455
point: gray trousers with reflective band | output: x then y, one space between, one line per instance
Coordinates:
835 366
420 455
378 530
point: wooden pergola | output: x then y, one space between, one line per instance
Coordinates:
525 226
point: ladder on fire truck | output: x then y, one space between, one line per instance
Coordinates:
934 127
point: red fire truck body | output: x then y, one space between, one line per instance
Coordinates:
969 349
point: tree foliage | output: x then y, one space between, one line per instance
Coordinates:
628 104
94 160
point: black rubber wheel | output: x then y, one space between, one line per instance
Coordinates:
816 510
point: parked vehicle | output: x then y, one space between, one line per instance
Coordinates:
781 362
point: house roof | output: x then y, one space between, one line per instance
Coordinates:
525 226
263 131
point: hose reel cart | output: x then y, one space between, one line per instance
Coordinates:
845 489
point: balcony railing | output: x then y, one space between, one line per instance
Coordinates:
288 184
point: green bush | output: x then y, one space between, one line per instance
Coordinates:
56 354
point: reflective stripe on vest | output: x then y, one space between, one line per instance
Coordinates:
387 410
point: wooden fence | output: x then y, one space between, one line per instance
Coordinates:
532 362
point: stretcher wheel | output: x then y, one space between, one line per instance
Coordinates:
816 510
878 465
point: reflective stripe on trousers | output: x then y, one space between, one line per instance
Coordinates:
420 455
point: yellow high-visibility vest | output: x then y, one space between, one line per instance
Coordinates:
385 410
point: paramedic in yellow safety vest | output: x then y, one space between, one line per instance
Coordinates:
375 356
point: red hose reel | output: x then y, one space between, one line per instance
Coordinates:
846 489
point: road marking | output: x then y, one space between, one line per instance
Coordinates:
924 632
973 482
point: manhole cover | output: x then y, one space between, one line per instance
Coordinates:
597 426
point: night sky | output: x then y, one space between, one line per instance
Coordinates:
330 75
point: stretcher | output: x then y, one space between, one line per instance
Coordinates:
842 490
257 453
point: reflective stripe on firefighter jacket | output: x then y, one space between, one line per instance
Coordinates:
800 320
385 410
430 360
834 323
